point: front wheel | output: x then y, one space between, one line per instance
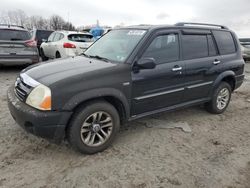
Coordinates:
220 100
93 127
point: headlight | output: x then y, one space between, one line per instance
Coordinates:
40 98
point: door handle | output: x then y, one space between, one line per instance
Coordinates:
176 69
216 62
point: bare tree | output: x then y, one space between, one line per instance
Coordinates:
38 22
56 22
18 17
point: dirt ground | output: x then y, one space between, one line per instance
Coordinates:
216 153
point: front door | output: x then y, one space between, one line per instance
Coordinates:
163 86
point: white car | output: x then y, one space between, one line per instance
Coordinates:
65 44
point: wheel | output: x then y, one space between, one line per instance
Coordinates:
58 55
44 58
220 100
93 127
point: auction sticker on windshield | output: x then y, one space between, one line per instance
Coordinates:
136 32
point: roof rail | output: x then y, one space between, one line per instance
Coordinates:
200 24
11 25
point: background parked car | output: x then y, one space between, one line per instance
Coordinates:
16 46
39 36
245 47
65 44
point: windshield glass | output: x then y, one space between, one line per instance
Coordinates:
116 45
8 34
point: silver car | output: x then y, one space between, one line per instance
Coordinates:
245 48
16 46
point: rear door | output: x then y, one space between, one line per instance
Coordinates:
201 59
13 43
163 86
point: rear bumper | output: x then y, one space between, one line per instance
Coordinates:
46 124
22 60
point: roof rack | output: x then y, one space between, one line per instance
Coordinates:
11 25
200 24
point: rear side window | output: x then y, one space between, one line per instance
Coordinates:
164 48
80 38
194 46
14 35
57 37
225 42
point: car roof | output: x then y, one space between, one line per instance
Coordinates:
12 27
72 32
181 25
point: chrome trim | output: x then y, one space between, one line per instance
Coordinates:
199 85
28 80
126 83
176 69
216 62
158 94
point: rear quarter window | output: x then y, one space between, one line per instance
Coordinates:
225 42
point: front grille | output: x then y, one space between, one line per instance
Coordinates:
22 90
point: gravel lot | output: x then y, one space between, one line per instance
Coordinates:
216 153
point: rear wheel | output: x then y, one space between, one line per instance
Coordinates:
220 100
58 55
44 58
93 128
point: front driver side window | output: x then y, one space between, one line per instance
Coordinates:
164 48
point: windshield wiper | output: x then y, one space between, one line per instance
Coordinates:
99 57
96 57
84 54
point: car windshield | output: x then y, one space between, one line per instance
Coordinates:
8 34
116 45
81 38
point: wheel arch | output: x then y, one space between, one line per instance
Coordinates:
228 76
110 95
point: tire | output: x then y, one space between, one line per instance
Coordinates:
44 58
82 128
219 104
58 55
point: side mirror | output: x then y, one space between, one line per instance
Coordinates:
44 40
146 63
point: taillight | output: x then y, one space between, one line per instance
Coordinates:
31 43
69 45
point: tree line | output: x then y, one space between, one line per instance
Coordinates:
18 17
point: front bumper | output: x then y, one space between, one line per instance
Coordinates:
46 124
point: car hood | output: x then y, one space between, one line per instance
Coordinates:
59 69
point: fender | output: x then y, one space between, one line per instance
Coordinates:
220 78
96 93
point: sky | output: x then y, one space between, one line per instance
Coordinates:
232 13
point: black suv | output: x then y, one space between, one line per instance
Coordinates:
127 74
